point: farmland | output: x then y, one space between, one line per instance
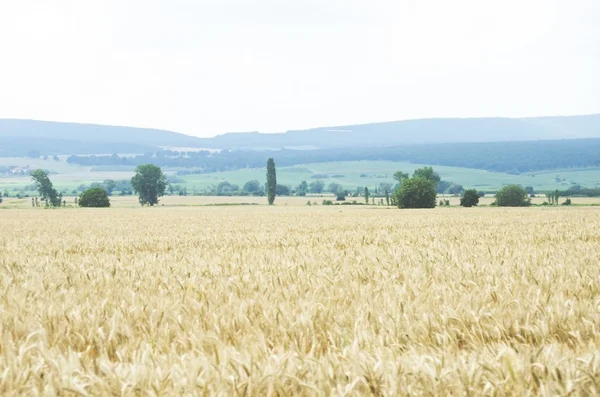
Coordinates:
349 174
297 300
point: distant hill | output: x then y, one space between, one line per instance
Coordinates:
17 137
447 130
20 137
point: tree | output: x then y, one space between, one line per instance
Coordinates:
95 197
109 185
427 173
400 176
340 195
45 188
302 188
282 190
416 192
271 181
149 183
367 195
252 186
316 186
469 198
512 196
226 188
335 187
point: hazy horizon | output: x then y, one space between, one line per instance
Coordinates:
211 67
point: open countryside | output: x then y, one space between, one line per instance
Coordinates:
315 199
349 174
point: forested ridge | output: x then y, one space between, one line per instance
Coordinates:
509 157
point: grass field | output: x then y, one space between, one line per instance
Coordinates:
70 176
296 300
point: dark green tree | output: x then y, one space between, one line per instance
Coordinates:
109 185
149 183
400 176
366 195
512 196
271 181
416 193
226 188
316 186
427 173
469 198
45 188
302 188
334 187
282 190
252 186
95 197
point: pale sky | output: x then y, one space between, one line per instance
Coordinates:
212 66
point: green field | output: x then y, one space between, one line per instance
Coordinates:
376 172
350 175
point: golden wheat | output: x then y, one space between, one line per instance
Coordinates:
300 301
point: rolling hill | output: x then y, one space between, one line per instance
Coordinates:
20 137
448 130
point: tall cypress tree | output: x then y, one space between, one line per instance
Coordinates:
271 180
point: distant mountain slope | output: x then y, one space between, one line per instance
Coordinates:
70 138
448 130
20 137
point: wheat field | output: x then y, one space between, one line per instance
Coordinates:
315 301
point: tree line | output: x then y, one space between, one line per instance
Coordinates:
507 157
416 191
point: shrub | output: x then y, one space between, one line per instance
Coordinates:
566 202
469 198
95 197
416 192
327 202
512 196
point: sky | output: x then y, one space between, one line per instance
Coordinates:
207 67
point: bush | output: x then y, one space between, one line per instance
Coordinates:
340 196
327 202
469 198
95 197
416 193
512 196
566 202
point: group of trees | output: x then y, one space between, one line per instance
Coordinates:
417 191
149 183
